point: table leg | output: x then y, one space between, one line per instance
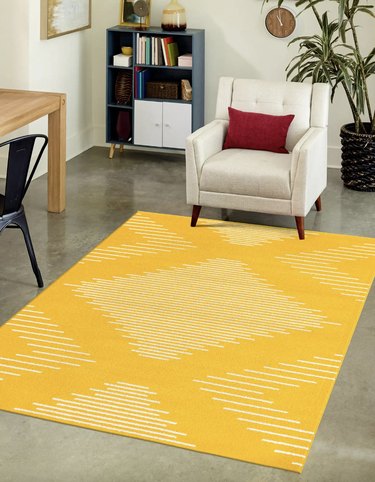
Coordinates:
57 158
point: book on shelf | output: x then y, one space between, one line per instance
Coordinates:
144 50
147 50
159 52
155 50
137 56
164 44
185 60
136 81
173 53
142 76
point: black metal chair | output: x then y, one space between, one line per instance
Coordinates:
12 213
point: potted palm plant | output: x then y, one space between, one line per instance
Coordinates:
334 55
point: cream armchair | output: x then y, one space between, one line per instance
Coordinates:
262 181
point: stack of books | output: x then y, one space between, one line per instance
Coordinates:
185 60
156 50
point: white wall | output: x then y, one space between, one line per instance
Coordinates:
62 64
237 44
14 56
14 31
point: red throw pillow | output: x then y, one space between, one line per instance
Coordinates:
262 132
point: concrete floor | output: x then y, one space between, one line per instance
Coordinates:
102 194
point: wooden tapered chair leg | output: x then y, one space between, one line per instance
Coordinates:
195 215
300 222
318 204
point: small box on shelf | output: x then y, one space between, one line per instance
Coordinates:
162 90
121 60
185 60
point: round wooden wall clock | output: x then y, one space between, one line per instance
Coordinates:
280 22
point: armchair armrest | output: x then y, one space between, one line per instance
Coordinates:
308 170
201 145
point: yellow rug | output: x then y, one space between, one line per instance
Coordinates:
226 338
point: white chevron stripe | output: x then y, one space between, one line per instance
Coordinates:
155 239
39 331
261 310
317 264
121 412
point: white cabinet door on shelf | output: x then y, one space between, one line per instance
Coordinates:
176 124
148 123
161 124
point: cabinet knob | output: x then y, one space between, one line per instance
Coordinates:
167 125
157 124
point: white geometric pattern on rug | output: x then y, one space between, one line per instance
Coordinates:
50 348
119 407
253 396
322 266
174 312
154 239
249 235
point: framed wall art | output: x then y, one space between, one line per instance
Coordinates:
135 13
60 17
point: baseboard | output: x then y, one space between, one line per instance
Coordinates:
2 168
94 136
75 145
334 157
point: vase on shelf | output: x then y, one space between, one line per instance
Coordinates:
174 17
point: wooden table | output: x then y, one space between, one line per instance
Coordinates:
17 109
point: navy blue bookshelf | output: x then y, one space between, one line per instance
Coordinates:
189 41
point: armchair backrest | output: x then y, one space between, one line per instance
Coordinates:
308 102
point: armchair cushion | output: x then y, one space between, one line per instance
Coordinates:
252 130
248 173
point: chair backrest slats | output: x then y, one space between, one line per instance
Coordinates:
17 179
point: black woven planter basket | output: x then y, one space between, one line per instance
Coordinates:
358 159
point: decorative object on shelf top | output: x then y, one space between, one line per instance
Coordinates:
174 17
135 13
141 10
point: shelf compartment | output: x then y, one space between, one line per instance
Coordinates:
119 125
184 43
115 42
167 75
112 75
